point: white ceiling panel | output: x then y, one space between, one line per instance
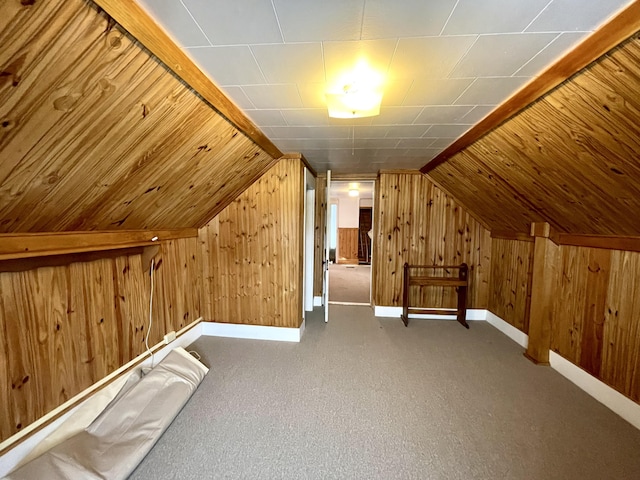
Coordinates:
312 132
177 21
306 117
501 55
449 131
396 115
446 65
562 43
444 114
428 57
227 65
313 20
384 18
436 91
575 15
267 118
492 16
416 142
291 63
273 96
491 91
235 23
342 57
406 131
238 97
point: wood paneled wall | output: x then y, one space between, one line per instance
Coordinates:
347 245
510 291
252 253
570 159
320 226
64 328
596 315
418 223
97 134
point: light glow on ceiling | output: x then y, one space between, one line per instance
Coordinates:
356 94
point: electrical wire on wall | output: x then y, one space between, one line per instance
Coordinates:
146 338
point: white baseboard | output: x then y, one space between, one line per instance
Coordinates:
395 312
92 399
253 332
317 301
610 398
509 330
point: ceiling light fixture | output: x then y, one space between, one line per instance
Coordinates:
358 95
353 190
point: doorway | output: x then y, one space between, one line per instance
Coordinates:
351 238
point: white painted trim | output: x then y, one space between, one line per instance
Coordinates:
95 393
317 301
612 399
395 312
509 330
254 332
358 304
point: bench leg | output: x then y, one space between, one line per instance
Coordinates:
462 306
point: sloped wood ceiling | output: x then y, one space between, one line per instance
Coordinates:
572 158
96 134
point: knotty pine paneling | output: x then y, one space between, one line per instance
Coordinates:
319 235
252 253
418 223
347 245
570 159
596 312
64 328
510 289
96 134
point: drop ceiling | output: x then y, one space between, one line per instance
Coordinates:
447 64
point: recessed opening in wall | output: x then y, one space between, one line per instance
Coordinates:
350 242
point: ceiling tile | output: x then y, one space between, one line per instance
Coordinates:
477 113
313 20
273 96
413 18
405 131
415 142
428 57
312 132
438 131
266 118
340 58
377 131
492 16
444 114
290 63
306 116
551 52
227 65
238 96
561 15
351 122
436 91
501 55
312 95
491 91
375 142
234 23
442 142
395 92
175 19
304 144
396 115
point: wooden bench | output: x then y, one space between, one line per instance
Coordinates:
460 283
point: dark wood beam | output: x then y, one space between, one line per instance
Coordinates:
615 31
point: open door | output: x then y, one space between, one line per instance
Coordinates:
327 246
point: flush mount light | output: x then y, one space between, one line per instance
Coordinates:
357 95
353 190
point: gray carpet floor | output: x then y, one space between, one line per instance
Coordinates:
350 283
366 398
